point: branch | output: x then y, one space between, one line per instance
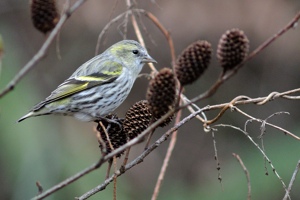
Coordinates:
259 49
246 173
69 180
166 160
267 123
105 29
248 100
292 181
257 146
43 50
141 157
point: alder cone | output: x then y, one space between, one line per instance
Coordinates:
137 119
193 62
161 93
116 136
233 48
44 14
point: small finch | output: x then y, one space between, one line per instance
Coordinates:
98 86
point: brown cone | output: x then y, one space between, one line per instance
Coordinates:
137 119
193 62
161 93
233 48
44 14
116 136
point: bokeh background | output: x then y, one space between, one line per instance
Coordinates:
50 149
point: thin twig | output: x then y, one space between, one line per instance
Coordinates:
259 49
166 33
292 181
105 29
102 144
39 186
140 37
246 173
112 154
125 26
145 29
141 157
216 156
69 180
136 140
115 180
257 146
110 145
257 100
43 50
154 125
166 160
229 105
267 123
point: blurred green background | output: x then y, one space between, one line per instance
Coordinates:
50 149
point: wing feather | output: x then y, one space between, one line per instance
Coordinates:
109 72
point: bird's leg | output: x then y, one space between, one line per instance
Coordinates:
109 121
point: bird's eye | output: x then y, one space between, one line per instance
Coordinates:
135 51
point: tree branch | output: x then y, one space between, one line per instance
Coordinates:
43 50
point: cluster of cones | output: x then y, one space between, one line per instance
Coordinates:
161 95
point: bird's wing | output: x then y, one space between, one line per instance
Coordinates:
109 72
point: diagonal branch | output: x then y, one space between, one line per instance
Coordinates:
141 157
292 181
259 49
246 173
43 50
166 160
257 146
69 180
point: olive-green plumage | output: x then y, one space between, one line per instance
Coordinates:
98 86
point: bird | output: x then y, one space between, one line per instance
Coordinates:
98 86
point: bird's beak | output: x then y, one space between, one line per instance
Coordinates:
148 59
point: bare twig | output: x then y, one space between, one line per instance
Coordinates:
284 95
115 179
246 173
216 156
267 123
140 158
229 105
43 50
263 124
145 29
140 37
145 153
69 180
100 141
125 26
259 49
39 186
166 160
154 125
113 153
292 181
257 146
110 146
164 31
105 29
